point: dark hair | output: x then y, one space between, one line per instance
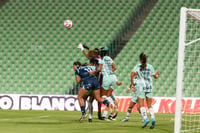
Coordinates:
143 60
97 50
85 64
93 60
93 53
77 63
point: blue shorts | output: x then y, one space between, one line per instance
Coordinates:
91 84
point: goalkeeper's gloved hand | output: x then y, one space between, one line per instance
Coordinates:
80 46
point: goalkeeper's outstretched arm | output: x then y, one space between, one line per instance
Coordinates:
82 46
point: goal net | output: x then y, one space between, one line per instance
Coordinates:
187 115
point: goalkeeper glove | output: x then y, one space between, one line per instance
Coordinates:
80 46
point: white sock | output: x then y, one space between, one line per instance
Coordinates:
151 111
127 115
105 113
141 116
90 107
143 113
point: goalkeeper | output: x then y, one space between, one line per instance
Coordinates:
93 54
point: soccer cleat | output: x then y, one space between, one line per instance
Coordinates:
111 117
125 119
83 117
90 120
116 113
104 119
146 122
153 122
99 116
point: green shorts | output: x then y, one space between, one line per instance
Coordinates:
109 82
143 95
134 97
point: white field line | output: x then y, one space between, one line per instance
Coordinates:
22 118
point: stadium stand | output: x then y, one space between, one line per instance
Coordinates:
37 52
158 37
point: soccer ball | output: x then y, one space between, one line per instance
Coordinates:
68 24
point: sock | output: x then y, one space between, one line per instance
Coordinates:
143 113
127 115
83 110
141 117
90 107
112 102
105 113
129 110
151 111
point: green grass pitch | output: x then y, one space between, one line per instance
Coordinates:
13 121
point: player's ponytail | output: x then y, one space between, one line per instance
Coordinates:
143 60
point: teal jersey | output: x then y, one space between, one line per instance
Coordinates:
107 65
144 77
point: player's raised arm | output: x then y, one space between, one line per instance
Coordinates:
82 46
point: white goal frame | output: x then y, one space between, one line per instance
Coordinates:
180 67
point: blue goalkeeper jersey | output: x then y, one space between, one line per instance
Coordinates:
83 72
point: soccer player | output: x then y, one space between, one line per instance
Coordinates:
90 82
145 73
107 67
93 54
132 103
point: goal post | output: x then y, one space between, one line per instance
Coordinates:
188 70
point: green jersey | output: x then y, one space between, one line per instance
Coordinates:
144 77
107 65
